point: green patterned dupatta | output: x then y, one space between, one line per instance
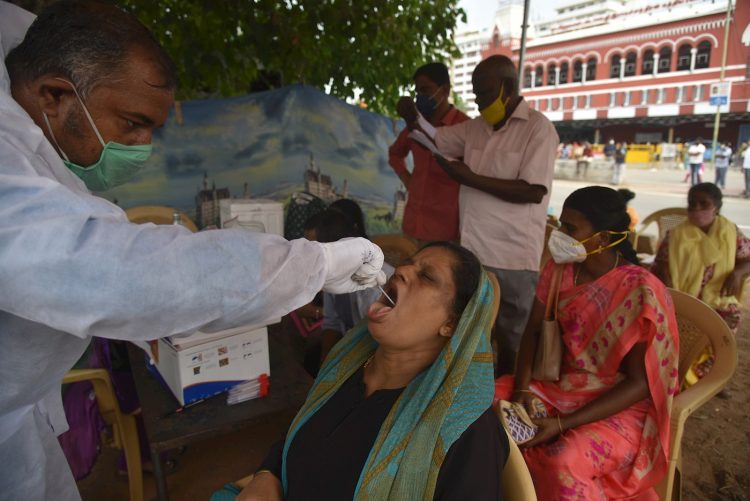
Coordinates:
431 413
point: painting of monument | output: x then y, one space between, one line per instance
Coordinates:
214 149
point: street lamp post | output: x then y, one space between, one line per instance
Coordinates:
717 119
522 51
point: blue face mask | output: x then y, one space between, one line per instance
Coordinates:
427 104
117 164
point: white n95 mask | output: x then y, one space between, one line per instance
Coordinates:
565 249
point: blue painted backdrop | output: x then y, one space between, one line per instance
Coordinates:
265 140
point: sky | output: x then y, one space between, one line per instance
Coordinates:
478 12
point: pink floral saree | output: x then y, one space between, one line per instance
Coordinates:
625 455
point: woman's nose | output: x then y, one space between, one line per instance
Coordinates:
403 273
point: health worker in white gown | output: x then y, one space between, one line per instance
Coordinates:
81 91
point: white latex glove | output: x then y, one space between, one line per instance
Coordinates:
352 264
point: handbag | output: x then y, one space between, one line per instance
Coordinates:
549 347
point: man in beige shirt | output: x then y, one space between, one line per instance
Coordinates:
506 174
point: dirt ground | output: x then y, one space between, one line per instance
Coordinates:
716 445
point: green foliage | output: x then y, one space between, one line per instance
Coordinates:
223 48
379 220
458 102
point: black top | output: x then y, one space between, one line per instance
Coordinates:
329 451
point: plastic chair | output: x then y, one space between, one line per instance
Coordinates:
517 482
396 248
516 479
665 220
699 326
124 431
158 214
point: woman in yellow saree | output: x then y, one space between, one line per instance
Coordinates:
708 257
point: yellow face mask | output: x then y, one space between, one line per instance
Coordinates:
495 112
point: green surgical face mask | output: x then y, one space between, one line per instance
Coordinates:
117 164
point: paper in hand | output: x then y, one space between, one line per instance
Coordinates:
422 139
426 126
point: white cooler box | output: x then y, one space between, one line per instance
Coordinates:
202 365
256 214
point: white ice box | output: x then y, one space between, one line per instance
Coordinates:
256 214
203 364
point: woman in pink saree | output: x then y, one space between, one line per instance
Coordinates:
607 436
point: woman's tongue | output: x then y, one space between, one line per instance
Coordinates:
378 310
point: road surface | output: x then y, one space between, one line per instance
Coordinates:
659 189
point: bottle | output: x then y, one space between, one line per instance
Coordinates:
176 218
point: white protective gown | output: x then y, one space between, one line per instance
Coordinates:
72 267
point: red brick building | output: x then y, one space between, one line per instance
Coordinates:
637 71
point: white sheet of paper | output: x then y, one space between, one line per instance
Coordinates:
426 126
422 139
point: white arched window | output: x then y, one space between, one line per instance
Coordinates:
703 58
630 64
665 60
647 63
614 68
539 76
683 57
564 73
591 69
551 73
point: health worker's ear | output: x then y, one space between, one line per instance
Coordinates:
53 95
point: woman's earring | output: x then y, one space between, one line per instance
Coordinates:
445 331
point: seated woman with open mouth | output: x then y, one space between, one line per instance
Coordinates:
401 408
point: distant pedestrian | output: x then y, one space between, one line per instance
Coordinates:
723 157
741 153
609 151
584 159
746 168
621 150
695 158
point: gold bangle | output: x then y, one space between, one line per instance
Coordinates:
559 423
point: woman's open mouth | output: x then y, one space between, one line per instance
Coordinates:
385 303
